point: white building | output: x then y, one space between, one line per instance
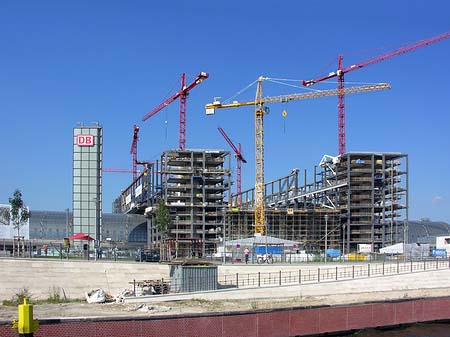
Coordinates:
443 242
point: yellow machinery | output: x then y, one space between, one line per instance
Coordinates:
258 103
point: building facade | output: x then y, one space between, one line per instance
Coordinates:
56 225
363 194
193 186
87 179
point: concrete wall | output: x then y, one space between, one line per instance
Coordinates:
75 277
78 277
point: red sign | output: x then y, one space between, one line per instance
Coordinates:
84 140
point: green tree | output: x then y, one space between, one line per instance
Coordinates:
18 214
162 218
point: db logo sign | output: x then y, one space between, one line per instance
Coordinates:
84 140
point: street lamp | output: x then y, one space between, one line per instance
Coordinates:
326 236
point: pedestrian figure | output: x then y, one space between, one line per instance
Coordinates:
246 253
99 252
114 251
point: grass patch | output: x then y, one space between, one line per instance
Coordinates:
18 297
56 295
202 303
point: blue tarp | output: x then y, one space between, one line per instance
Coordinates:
438 252
268 249
333 252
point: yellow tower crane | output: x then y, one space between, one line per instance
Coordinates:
258 103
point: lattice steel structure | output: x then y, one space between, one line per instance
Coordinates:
194 185
356 198
367 191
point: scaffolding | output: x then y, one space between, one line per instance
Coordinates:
374 203
193 184
358 198
310 228
367 191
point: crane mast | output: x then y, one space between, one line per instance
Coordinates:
341 71
239 160
258 103
133 150
182 94
342 138
259 224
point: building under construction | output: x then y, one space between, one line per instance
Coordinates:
192 185
350 200
353 199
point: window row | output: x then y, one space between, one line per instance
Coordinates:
88 230
86 188
84 205
86 181
87 131
92 196
87 155
81 166
92 172
86 221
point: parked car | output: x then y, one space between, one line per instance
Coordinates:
148 256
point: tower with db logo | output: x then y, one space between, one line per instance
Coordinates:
87 179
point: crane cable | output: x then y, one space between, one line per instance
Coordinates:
240 92
278 81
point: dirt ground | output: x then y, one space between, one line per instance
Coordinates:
83 309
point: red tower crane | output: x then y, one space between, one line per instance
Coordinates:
239 160
115 170
182 94
133 150
341 71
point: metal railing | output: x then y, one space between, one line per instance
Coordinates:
327 274
310 275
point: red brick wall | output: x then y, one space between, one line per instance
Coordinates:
278 323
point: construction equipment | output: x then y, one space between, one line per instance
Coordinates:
341 71
258 103
182 94
133 150
239 160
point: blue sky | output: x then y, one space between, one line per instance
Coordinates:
113 61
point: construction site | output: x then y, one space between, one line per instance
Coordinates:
357 198
352 201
